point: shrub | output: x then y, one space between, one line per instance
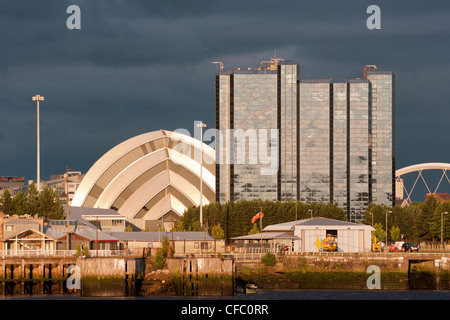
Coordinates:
160 259
163 253
269 259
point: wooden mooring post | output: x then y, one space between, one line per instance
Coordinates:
28 276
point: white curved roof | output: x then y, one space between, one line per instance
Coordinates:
150 175
422 166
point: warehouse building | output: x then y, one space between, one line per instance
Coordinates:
303 235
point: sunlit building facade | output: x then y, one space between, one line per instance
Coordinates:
256 114
335 138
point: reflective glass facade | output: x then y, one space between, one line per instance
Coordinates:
288 130
256 115
358 145
383 139
335 138
315 141
255 100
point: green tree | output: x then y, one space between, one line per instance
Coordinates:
428 209
445 207
178 226
20 204
438 217
6 202
377 214
163 253
235 217
33 200
50 206
395 233
254 229
379 232
217 232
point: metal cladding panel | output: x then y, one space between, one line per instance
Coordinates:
128 176
121 154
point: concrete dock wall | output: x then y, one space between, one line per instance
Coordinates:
207 276
98 276
397 271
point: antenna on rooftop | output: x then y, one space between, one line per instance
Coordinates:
220 63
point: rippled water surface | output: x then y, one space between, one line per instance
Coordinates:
275 295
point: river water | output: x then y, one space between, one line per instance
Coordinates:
267 295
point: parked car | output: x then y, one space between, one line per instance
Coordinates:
408 246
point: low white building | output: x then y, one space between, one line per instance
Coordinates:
350 237
302 235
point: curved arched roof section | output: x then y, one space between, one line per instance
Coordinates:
149 175
422 166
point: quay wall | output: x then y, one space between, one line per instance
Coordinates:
397 271
97 276
202 276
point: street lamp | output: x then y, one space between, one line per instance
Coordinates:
201 125
386 226
442 229
38 98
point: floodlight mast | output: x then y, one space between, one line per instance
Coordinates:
38 98
201 125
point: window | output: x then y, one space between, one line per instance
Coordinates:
332 233
206 245
9 227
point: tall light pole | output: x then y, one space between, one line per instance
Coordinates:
386 225
201 125
442 229
67 210
38 98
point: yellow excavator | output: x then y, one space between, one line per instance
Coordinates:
376 246
329 244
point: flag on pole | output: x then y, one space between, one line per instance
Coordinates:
257 216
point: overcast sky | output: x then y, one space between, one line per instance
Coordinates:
138 66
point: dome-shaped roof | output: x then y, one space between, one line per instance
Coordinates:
149 176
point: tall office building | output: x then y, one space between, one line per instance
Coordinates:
329 140
256 114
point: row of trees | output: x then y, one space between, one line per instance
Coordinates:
46 204
421 221
234 218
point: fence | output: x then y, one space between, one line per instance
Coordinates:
58 253
425 246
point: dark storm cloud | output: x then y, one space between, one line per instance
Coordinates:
137 66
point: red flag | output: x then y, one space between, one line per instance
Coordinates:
257 216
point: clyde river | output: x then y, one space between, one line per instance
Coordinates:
271 295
